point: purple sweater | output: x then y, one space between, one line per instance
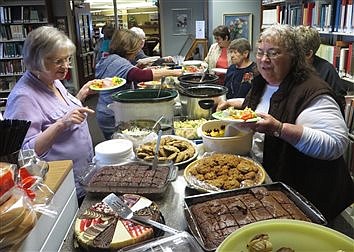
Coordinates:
31 100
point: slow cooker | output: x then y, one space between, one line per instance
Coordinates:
148 104
200 101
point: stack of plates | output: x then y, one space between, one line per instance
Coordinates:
113 151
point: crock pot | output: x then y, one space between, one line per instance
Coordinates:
192 79
148 104
200 101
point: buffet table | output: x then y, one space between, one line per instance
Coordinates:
49 233
171 205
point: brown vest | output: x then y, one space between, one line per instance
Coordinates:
325 183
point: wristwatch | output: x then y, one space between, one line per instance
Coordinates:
277 133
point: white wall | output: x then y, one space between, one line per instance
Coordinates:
209 10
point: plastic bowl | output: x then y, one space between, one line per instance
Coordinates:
239 144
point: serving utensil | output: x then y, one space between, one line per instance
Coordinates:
156 158
124 211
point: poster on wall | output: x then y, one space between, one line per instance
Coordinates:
240 25
181 21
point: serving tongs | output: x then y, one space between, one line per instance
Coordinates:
125 212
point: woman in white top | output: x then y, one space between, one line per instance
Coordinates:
302 135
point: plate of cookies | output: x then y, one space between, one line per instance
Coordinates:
221 172
179 150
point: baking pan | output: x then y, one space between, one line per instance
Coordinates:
157 189
304 205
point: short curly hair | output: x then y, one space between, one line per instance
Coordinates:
222 31
42 42
241 45
310 38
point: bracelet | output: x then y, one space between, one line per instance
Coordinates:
277 133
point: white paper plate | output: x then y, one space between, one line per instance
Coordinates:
219 70
192 62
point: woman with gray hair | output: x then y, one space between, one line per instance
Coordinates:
240 74
302 135
58 119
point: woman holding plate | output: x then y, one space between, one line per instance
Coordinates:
123 49
58 119
302 136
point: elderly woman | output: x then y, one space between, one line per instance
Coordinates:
218 55
240 74
124 47
141 55
58 119
302 134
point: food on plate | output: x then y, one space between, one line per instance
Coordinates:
219 217
261 243
99 227
129 177
107 83
244 114
171 148
226 171
217 132
116 80
188 128
232 114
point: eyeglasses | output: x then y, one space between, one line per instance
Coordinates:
62 61
270 54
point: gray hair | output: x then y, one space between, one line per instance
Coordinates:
140 32
40 43
310 38
285 37
241 45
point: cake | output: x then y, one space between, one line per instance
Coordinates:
99 227
218 218
134 177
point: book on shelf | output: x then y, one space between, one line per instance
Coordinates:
349 17
269 17
350 62
33 15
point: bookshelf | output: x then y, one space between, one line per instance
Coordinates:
84 43
17 19
332 18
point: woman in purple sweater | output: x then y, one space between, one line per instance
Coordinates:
58 128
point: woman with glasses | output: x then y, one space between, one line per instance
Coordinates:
59 128
302 135
218 55
124 47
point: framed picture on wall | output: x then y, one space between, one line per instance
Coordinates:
182 21
240 25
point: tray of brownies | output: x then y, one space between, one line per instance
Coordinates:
212 217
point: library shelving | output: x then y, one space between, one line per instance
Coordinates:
332 18
17 19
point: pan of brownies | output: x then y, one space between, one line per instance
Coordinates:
211 217
136 177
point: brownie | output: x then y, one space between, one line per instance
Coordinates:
129 175
217 218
